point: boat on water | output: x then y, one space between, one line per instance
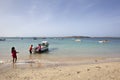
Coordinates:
44 47
77 40
3 39
34 38
103 41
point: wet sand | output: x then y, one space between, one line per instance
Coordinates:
62 69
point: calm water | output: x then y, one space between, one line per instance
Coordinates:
64 47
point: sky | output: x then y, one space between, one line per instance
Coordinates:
45 18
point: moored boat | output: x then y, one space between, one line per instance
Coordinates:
103 41
44 47
77 40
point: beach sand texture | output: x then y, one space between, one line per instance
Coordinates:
98 71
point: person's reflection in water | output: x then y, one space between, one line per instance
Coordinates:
31 61
35 60
14 65
39 62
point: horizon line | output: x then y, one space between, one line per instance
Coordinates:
64 36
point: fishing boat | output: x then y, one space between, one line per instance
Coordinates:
44 47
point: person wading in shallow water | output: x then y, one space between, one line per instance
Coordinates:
30 49
38 49
13 51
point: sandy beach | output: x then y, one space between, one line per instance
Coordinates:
99 69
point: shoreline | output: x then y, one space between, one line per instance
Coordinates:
61 60
47 59
56 62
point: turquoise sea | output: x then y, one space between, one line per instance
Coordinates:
63 47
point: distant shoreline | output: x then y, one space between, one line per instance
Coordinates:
58 37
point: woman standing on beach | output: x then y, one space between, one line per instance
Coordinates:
13 51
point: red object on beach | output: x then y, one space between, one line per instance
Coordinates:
14 54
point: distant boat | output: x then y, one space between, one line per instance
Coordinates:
21 38
34 38
77 40
44 38
2 39
103 41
